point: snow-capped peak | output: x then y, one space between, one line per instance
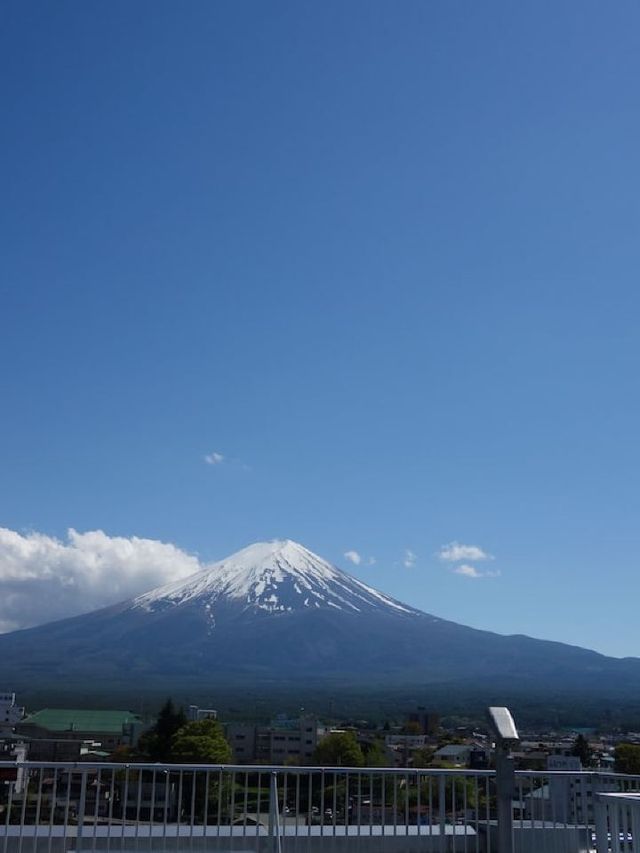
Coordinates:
272 576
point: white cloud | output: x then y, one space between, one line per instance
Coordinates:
456 552
353 557
410 558
471 572
214 458
43 578
467 571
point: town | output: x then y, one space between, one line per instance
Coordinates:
68 772
417 740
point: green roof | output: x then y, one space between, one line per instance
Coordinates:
72 720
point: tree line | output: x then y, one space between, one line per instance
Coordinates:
175 740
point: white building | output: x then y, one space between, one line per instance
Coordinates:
194 713
10 713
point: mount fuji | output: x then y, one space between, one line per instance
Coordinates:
274 577
277 614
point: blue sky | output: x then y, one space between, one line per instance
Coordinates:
382 258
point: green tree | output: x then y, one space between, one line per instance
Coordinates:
339 749
582 750
422 757
627 757
375 755
203 742
156 743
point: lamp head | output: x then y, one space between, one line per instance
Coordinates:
502 725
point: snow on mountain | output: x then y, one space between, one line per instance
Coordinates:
276 576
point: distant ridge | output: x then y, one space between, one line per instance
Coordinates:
275 613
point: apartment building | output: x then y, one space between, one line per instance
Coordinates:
283 741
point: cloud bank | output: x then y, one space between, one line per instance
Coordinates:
43 578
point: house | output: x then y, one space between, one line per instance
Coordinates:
454 753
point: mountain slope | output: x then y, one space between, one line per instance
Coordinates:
275 613
279 576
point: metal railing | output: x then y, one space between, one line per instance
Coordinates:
617 818
55 807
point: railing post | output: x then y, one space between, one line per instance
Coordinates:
274 814
601 824
505 791
81 809
442 813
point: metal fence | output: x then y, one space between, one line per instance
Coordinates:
617 822
50 808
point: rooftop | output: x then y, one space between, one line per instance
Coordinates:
72 719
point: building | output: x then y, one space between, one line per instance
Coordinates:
194 713
10 714
399 748
456 754
108 729
13 751
407 742
479 759
285 740
429 723
566 798
64 749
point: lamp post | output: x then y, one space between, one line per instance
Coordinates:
506 735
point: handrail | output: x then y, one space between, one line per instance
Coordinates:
244 768
307 768
90 800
